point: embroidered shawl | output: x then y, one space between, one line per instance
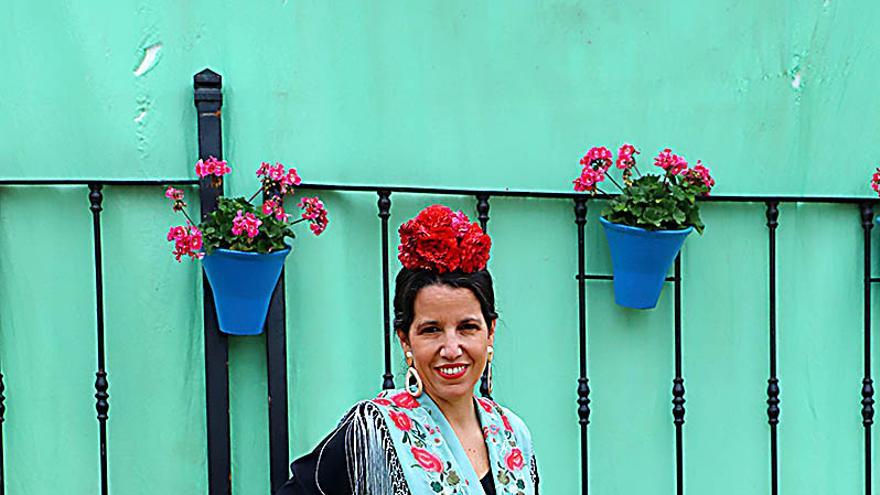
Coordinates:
398 445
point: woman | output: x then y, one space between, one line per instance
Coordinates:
433 436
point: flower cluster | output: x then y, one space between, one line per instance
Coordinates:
275 178
175 195
595 163
315 213
875 181
671 163
700 175
247 223
653 202
625 158
275 208
442 240
212 166
187 241
236 223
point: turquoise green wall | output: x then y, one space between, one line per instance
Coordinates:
776 97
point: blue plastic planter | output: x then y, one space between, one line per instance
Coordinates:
243 284
641 258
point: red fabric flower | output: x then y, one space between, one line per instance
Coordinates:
514 460
438 239
401 420
475 246
405 401
427 460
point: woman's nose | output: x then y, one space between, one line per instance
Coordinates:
451 348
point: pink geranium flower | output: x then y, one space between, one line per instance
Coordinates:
246 223
671 163
187 241
598 158
212 166
625 157
875 181
315 213
588 179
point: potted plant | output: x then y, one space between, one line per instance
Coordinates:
647 223
242 247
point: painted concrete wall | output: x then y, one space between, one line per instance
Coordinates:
776 97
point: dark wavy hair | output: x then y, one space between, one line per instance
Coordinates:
409 282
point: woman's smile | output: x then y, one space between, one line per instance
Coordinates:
452 371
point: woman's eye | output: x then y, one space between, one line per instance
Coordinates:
430 329
470 326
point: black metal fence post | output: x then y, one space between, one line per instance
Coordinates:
276 369
208 99
867 215
583 388
2 413
102 405
773 381
678 386
384 205
483 217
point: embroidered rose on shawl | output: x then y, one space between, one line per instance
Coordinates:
514 460
506 423
427 460
485 404
405 401
401 420
382 401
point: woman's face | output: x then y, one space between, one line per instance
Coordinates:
449 339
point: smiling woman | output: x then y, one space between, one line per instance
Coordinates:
433 436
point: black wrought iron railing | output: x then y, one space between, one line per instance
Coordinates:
208 100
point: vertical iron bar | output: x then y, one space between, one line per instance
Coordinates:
773 381
102 405
208 98
2 413
678 385
276 369
384 205
867 214
483 216
583 388
483 211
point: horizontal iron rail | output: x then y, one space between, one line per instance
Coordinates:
572 195
106 182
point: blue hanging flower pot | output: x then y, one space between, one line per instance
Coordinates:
243 283
640 259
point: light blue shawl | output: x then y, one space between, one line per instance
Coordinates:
432 459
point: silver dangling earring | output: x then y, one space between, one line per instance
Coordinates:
491 352
413 389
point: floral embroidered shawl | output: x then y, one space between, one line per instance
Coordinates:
400 445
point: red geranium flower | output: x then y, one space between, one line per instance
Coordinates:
427 460
514 460
401 420
405 401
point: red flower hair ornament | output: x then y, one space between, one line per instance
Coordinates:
441 240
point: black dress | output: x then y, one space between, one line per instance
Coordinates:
333 475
